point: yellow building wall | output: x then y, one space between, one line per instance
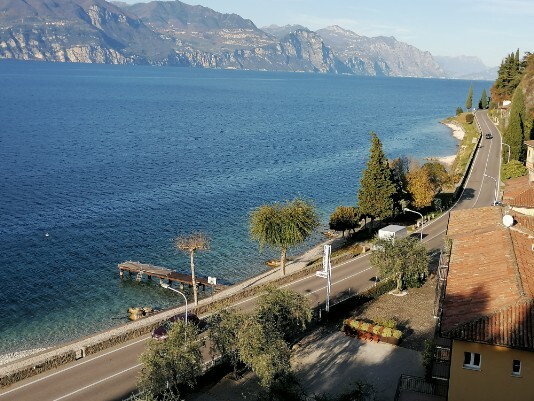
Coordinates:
494 380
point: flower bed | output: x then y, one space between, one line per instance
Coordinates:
371 331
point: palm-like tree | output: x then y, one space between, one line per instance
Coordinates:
190 244
283 225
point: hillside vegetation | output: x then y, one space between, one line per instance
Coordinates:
515 83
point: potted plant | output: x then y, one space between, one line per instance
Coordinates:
395 337
387 332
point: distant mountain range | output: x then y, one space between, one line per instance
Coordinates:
177 34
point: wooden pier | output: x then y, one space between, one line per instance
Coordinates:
143 269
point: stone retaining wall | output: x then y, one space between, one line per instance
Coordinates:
461 184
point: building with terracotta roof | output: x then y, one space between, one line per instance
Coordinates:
487 311
519 192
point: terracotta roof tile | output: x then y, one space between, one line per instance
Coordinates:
509 327
490 280
524 222
471 221
524 254
519 192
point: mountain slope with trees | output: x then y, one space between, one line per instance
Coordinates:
515 83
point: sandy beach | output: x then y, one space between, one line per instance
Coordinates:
457 132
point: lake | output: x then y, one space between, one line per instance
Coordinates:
101 164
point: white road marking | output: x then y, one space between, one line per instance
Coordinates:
97 382
72 367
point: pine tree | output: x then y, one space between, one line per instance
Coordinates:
509 76
375 196
469 101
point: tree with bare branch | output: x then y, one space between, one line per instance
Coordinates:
190 244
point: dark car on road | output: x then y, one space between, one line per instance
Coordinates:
161 332
489 136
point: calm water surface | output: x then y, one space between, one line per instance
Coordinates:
113 162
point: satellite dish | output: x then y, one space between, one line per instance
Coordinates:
507 220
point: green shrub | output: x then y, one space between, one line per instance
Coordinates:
390 323
388 332
513 169
355 324
397 334
428 357
377 329
459 111
364 326
469 118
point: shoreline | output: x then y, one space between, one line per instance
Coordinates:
13 356
457 132
297 263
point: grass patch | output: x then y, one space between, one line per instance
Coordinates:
466 147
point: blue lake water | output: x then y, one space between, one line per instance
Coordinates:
113 162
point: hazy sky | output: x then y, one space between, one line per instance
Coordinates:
488 29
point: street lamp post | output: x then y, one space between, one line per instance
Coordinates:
422 220
509 150
165 285
495 191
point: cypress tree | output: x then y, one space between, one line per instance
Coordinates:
377 190
484 99
514 134
469 101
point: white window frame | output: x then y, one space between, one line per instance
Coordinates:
471 364
518 373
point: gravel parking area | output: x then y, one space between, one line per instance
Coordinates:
412 312
327 361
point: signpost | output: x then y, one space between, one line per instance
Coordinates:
326 273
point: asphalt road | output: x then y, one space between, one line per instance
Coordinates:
111 374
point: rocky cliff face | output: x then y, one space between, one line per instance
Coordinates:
300 51
89 31
174 33
380 55
200 27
